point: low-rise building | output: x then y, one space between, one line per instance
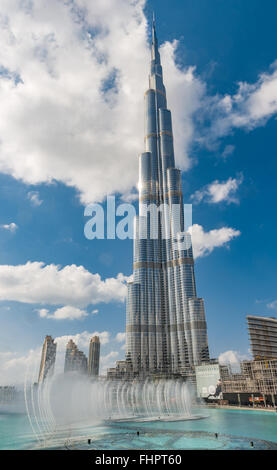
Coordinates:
257 382
8 394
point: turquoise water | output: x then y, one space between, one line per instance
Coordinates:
15 432
235 428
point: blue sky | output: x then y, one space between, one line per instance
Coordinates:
71 130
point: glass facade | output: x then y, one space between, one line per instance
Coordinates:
166 328
263 336
48 358
75 360
94 356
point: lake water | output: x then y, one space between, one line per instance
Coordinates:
235 428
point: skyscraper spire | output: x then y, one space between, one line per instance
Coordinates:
155 50
166 329
154 37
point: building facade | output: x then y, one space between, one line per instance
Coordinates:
263 336
48 358
94 356
256 382
166 327
121 370
8 394
75 360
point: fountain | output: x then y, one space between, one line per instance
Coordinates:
74 412
67 401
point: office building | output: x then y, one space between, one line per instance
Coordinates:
48 357
263 336
166 328
94 356
75 360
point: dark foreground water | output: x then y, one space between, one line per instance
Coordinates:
235 428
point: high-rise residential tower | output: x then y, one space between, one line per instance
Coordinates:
166 327
263 336
75 360
48 357
94 356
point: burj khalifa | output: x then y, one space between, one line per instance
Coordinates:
166 330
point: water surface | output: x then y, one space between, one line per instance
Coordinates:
235 428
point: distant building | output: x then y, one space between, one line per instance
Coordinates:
209 378
263 336
122 370
75 360
256 383
8 394
48 358
94 356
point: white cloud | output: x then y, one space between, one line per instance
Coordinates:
95 311
130 196
17 367
82 339
272 305
108 361
185 92
120 337
69 313
217 191
251 106
33 196
73 92
204 243
109 356
35 282
43 312
12 227
64 313
232 357
228 150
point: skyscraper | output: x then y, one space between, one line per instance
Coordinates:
94 356
75 360
48 357
263 336
165 327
